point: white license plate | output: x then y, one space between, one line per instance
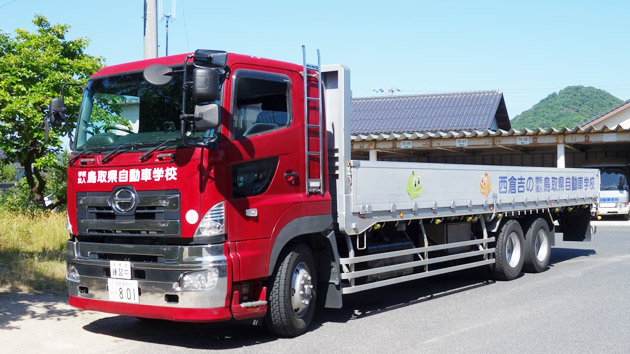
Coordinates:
123 290
120 269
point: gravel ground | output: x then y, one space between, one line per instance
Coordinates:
578 305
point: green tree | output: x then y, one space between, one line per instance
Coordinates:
572 106
33 67
8 172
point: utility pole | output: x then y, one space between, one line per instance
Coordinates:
150 29
170 17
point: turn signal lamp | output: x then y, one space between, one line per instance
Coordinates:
213 223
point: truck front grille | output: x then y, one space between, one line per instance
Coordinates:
157 214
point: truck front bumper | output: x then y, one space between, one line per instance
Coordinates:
158 270
613 209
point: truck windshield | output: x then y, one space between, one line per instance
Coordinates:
127 110
613 179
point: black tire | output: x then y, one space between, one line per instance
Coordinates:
510 247
537 246
288 315
626 217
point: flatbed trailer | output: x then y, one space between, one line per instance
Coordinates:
442 218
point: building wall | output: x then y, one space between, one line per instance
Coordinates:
620 118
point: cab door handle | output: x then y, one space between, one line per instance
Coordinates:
292 177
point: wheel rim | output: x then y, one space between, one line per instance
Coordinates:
541 245
301 290
513 250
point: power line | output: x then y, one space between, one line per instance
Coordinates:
8 3
185 27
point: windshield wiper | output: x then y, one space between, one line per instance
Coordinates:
145 156
82 153
112 153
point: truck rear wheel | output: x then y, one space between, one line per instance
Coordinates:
292 298
509 251
538 249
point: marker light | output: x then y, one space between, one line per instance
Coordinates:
72 274
68 224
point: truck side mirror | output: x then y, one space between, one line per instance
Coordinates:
57 111
210 58
205 85
622 182
206 117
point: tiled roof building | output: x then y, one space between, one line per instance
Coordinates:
436 112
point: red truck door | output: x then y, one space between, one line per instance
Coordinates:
264 154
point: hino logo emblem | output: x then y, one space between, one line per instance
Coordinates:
124 200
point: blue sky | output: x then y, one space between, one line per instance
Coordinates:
527 49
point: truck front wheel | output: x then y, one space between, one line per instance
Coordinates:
292 298
509 251
538 246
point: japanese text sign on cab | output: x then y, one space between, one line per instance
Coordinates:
131 175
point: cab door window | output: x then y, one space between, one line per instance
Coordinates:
261 103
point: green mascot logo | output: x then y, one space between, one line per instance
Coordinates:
414 186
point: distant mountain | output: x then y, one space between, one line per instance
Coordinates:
570 107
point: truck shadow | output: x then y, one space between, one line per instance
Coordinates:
559 254
222 335
373 302
236 335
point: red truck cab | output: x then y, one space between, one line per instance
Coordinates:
173 219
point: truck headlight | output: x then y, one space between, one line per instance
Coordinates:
201 280
213 223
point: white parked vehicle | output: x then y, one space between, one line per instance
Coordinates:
614 193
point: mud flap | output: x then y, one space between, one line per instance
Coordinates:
333 288
576 225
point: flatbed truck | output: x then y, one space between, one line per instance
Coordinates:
212 186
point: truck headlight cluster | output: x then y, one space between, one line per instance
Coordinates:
201 280
213 223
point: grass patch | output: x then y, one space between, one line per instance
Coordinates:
32 249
